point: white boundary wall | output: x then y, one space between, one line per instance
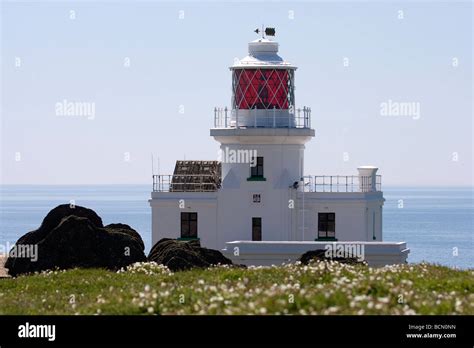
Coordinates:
279 252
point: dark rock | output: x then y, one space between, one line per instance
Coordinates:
54 217
76 237
321 255
183 255
126 229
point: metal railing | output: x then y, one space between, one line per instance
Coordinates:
311 183
262 118
342 183
185 183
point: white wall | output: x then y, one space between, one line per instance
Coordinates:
166 215
354 214
226 215
282 167
283 164
376 254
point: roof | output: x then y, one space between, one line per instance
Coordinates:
263 53
196 176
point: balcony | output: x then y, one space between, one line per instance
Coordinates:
341 183
310 183
262 118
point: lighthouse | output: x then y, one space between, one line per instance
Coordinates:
265 123
255 201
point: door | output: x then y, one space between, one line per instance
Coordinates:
256 228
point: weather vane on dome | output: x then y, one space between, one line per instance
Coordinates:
266 31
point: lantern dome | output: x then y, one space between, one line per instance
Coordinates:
262 53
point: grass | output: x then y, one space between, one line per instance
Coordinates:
320 288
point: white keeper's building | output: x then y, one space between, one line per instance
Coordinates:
255 202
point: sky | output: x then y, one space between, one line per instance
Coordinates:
154 72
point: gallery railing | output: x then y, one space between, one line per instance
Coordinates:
185 183
342 183
262 118
310 183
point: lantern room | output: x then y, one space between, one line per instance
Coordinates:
262 80
263 88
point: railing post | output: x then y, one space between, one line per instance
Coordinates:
237 117
306 117
274 123
225 115
255 116
309 118
303 124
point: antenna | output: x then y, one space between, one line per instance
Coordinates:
152 167
260 31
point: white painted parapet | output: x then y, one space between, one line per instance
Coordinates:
267 253
367 178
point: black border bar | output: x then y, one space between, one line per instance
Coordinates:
348 330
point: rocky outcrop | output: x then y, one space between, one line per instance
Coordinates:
72 237
125 229
53 219
183 255
321 255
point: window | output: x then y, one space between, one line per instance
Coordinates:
189 225
256 169
256 198
326 225
263 88
256 228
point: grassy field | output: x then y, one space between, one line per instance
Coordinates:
320 288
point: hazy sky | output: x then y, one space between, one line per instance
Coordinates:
55 51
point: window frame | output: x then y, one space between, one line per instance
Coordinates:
257 227
257 171
328 221
256 198
189 222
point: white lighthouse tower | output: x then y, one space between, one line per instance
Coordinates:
255 202
265 126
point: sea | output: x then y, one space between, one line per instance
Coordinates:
437 223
